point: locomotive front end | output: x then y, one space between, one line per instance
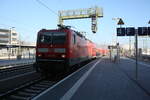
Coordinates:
51 51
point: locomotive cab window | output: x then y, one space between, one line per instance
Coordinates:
52 38
45 39
59 38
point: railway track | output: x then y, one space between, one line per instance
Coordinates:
15 70
31 89
15 76
5 67
28 91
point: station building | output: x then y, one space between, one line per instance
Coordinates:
12 47
8 37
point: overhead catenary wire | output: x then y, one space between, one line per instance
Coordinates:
46 7
22 25
18 27
23 36
14 21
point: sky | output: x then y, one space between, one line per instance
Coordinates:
29 16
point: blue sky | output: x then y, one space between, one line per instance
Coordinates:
28 17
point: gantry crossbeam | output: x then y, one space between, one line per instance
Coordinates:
92 13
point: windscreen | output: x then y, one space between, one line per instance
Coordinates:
52 38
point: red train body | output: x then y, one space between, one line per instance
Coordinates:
60 49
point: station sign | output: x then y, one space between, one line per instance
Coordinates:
121 31
112 47
148 30
130 31
142 31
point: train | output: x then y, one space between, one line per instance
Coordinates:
58 50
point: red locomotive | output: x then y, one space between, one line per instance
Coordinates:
60 49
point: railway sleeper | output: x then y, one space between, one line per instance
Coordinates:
37 88
31 91
26 94
42 86
44 83
15 97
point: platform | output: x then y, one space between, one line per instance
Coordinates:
100 80
15 61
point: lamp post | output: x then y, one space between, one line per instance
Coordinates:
147 39
136 56
10 42
19 48
120 23
115 19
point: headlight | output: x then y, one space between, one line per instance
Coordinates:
59 50
39 55
63 56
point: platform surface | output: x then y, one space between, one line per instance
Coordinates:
15 61
102 80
